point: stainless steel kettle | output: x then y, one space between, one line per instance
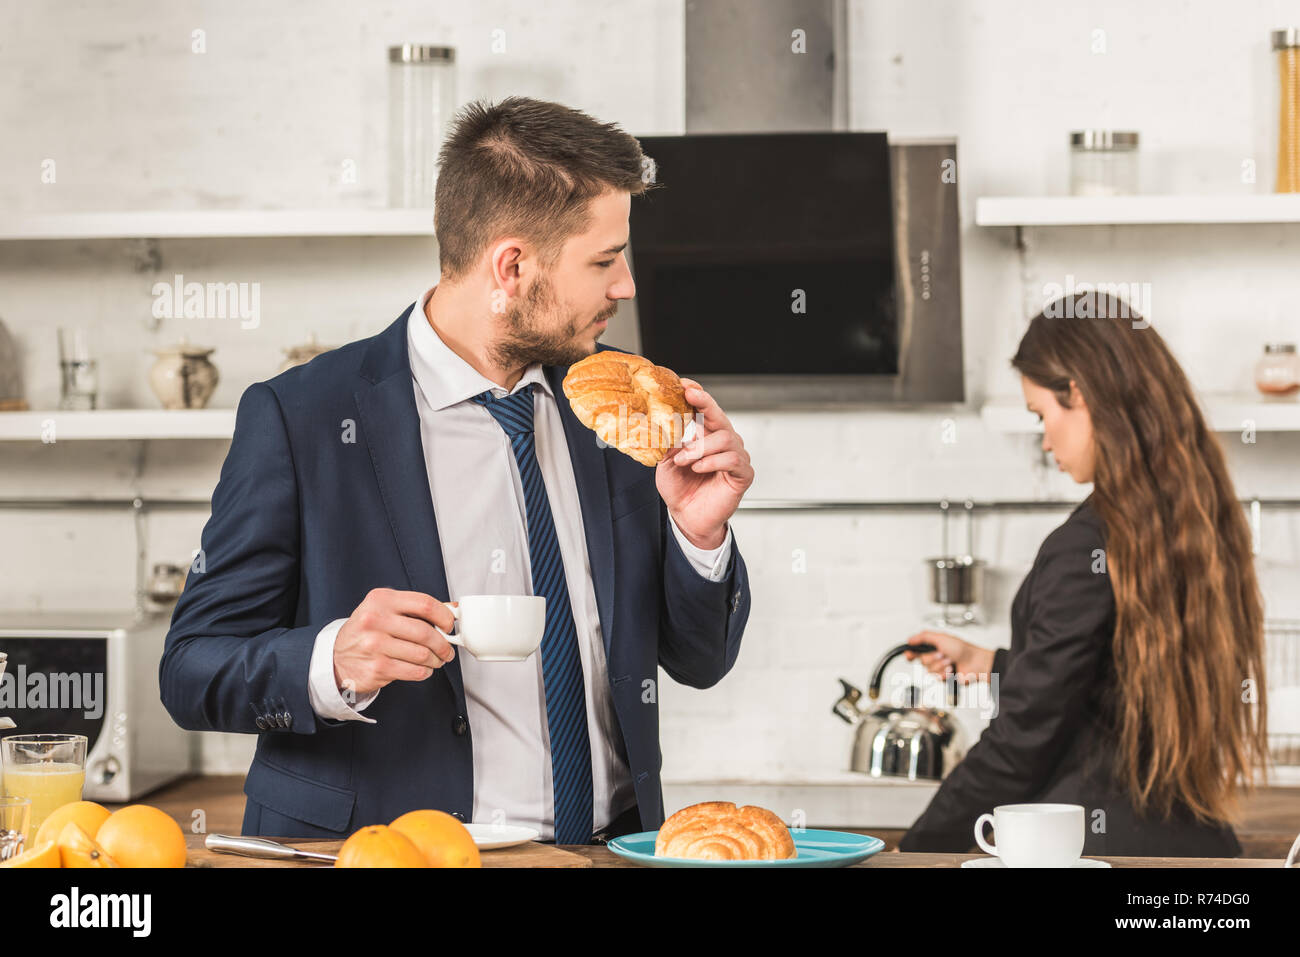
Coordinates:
907 741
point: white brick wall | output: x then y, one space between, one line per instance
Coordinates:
287 92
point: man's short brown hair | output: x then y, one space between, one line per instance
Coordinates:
529 168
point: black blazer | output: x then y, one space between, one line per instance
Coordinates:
1052 737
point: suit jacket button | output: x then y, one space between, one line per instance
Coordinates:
279 719
260 722
288 719
459 724
457 815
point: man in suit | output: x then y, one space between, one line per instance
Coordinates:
440 458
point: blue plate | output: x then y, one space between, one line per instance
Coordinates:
813 848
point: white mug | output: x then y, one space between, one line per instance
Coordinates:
1034 835
498 627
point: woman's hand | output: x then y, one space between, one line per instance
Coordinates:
952 655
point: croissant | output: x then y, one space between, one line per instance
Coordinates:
720 831
630 403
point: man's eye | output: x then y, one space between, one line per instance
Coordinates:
606 264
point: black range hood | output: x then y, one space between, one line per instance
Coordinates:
795 268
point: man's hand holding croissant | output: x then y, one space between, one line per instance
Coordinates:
702 482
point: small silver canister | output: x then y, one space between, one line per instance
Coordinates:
956 581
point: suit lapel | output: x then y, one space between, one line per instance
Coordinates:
390 425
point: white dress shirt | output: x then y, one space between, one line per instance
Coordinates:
474 480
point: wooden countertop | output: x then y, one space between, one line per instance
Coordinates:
1271 822
582 855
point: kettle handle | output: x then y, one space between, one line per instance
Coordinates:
923 648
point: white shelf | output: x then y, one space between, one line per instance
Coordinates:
109 424
1229 413
1135 210
216 223
1224 413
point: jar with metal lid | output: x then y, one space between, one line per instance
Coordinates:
1286 44
421 100
1277 374
1103 163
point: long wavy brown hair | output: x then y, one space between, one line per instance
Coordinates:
1190 705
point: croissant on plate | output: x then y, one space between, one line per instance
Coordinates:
720 831
630 403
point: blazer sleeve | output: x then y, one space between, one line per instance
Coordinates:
700 621
1001 660
1041 699
231 660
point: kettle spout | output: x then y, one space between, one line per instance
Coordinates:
847 706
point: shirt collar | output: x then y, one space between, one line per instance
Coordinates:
444 377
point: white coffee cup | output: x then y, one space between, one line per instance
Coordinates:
1034 835
498 627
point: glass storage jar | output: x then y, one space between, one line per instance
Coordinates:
1103 163
1286 44
421 100
1277 374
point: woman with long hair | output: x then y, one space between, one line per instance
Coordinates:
1134 684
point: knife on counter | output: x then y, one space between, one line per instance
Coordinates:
261 847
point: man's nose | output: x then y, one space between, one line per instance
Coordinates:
625 286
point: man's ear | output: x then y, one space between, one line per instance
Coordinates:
505 262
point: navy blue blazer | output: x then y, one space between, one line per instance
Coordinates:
322 497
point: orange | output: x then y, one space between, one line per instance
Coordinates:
86 813
442 839
79 849
142 836
40 855
379 846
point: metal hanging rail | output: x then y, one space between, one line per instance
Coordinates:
754 505
132 501
912 505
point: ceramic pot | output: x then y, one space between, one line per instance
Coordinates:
299 355
183 377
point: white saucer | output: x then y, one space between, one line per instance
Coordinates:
488 837
997 862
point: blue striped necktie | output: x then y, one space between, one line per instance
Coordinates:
566 705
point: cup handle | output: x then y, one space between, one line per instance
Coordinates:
455 613
979 834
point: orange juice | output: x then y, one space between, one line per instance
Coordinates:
49 786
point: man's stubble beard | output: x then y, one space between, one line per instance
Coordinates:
526 340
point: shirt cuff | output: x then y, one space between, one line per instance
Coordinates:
326 698
710 562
